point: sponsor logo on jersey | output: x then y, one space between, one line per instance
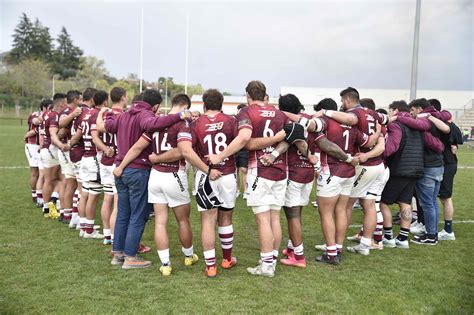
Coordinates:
267 113
215 126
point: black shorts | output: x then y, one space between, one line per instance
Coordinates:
446 188
398 189
242 158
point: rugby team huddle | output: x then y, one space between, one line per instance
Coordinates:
79 145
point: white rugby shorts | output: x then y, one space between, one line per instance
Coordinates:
67 167
264 194
378 185
225 188
32 154
107 178
49 156
297 194
89 171
365 177
332 186
168 188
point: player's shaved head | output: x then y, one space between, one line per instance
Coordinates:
350 93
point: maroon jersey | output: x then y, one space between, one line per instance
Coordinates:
162 141
211 135
88 122
77 151
65 112
366 123
264 121
299 168
109 139
35 138
348 139
50 119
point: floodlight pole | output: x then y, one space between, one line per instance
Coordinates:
187 50
54 86
141 54
414 62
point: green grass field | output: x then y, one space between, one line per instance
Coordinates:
46 268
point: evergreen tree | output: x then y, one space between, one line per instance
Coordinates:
30 41
42 45
22 40
67 56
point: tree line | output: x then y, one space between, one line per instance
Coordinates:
37 65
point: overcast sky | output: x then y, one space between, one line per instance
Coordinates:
287 43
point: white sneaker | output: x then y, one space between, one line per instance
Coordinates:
322 248
262 270
376 246
274 264
389 243
359 249
417 228
81 233
402 244
355 237
94 235
96 227
445 236
74 221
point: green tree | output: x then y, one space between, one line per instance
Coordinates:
67 56
30 41
131 91
42 43
91 72
22 40
32 78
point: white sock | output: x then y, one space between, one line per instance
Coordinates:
164 256
366 241
210 257
267 258
188 251
106 232
55 194
275 254
290 244
299 250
